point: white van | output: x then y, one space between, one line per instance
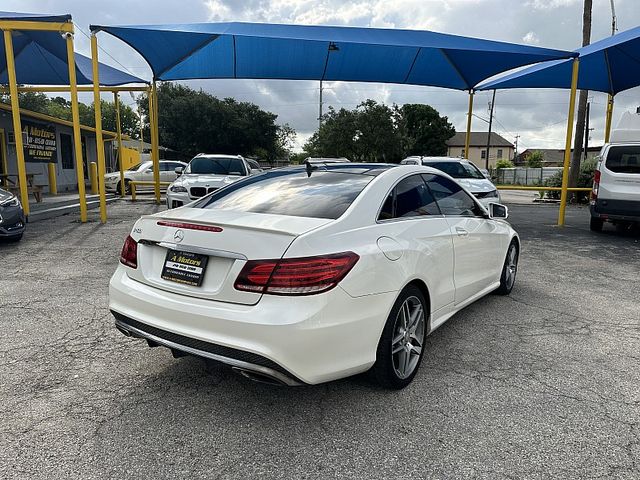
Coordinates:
616 185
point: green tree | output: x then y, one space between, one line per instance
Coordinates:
59 107
504 163
193 121
378 133
337 136
426 130
535 159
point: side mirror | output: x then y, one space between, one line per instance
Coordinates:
178 170
497 210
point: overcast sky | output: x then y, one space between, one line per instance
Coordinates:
538 116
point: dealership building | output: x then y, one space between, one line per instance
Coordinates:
48 140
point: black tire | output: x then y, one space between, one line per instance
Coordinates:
595 225
384 370
127 188
509 269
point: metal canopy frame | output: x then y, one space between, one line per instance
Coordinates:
207 34
66 28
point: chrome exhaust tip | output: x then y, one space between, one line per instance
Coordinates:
258 377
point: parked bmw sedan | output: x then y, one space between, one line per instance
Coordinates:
465 173
304 275
205 174
12 221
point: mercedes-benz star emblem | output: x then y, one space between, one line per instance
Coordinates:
178 236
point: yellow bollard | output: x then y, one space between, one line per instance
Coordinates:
53 183
93 177
132 186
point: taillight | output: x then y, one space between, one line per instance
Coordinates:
295 276
596 185
129 254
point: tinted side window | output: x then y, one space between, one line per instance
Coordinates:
410 198
387 208
451 199
414 199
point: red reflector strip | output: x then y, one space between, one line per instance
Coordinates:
189 226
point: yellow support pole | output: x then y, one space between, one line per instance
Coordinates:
77 139
467 140
93 177
99 142
567 145
17 125
155 155
53 181
607 128
116 100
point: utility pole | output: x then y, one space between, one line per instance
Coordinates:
320 108
574 170
614 26
515 153
493 101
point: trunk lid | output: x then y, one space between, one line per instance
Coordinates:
233 237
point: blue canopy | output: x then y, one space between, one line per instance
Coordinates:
610 65
41 57
301 52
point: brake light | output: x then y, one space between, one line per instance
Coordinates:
189 226
295 276
596 186
129 254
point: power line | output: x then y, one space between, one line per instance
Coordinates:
103 50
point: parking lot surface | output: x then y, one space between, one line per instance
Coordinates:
544 383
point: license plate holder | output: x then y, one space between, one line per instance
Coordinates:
184 267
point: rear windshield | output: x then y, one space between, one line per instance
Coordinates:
324 194
624 159
216 166
457 169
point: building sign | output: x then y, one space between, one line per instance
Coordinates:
40 143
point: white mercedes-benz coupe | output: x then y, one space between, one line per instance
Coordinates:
304 275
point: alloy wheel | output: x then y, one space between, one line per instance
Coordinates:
408 337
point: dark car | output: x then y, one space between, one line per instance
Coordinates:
12 221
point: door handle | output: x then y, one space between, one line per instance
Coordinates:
461 232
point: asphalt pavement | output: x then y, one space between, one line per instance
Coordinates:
544 383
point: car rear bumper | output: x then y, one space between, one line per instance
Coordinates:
623 210
308 339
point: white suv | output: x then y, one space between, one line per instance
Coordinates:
465 173
204 174
616 186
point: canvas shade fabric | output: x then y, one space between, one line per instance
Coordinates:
303 52
41 57
611 65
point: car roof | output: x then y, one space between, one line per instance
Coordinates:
371 169
218 155
445 159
